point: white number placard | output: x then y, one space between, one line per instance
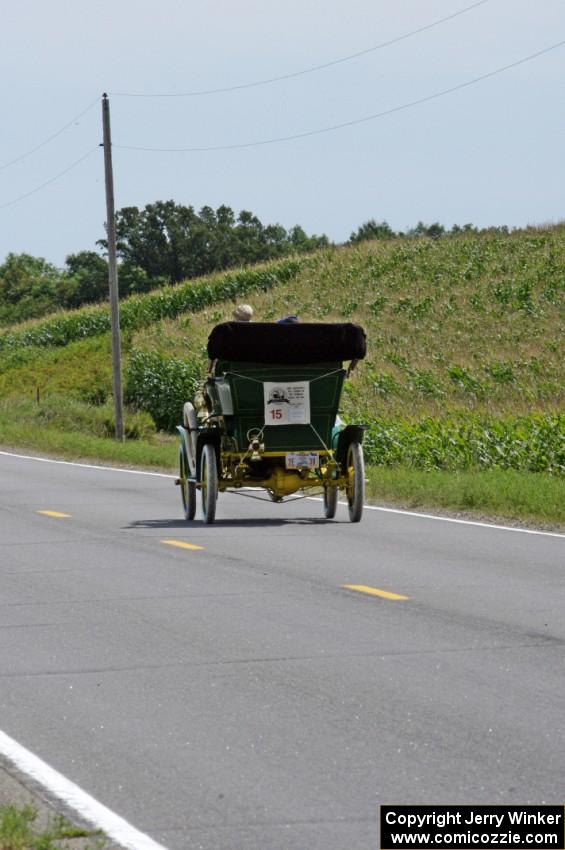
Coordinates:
287 403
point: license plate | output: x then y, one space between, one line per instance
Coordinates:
300 460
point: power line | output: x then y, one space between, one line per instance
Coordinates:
332 128
311 70
50 138
51 180
355 121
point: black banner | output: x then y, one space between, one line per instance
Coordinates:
471 827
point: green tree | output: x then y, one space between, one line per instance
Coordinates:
433 231
155 239
372 230
456 230
299 241
86 279
28 287
169 242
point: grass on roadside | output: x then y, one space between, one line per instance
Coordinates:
65 426
73 445
503 493
18 831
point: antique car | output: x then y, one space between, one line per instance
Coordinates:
267 417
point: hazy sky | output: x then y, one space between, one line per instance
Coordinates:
488 153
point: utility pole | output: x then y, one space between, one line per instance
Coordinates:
113 271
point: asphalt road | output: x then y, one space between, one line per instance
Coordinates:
237 696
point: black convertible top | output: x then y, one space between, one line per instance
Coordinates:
303 342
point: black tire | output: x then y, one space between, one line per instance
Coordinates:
355 481
330 501
187 488
209 482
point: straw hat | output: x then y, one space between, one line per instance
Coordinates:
243 313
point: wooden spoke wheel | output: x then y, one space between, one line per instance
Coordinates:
355 481
209 482
187 488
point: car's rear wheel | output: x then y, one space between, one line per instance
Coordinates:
355 481
209 482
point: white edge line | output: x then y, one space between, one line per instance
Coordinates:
452 519
114 826
88 465
466 521
310 498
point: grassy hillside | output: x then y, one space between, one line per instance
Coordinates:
462 324
465 349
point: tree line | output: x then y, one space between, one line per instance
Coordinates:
165 243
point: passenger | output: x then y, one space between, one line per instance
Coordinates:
288 320
243 313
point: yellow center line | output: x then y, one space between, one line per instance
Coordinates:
56 514
182 544
374 591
